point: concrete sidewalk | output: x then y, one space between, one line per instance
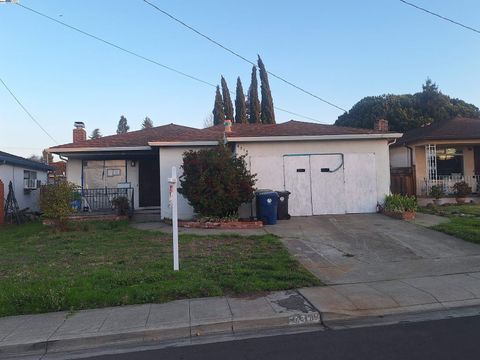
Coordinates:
354 304
139 325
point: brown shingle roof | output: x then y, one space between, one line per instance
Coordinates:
459 128
290 128
177 133
165 133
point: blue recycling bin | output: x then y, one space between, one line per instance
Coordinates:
267 203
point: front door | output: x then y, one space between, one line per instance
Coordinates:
149 182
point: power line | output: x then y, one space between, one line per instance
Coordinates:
27 112
118 47
441 17
240 56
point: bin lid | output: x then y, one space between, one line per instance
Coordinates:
259 191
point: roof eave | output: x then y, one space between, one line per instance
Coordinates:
183 143
386 136
97 149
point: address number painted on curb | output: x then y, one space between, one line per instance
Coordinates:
301 319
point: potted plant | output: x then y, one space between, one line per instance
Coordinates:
461 190
437 192
400 206
121 204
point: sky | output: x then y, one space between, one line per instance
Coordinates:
340 50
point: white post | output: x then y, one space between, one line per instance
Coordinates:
173 203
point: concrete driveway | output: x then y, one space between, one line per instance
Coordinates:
348 249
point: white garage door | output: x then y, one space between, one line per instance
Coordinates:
297 181
330 183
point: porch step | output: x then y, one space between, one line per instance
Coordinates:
146 215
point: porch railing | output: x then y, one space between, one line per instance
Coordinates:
102 200
446 182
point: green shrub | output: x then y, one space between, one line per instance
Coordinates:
437 191
215 182
400 203
461 189
56 202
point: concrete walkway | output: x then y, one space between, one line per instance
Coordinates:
346 249
139 325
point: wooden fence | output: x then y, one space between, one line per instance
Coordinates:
402 181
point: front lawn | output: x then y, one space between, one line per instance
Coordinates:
464 220
447 210
110 263
467 228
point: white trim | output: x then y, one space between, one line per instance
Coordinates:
183 143
93 149
316 137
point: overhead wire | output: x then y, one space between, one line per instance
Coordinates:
440 16
241 56
27 112
133 53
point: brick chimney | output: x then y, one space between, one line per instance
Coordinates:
79 133
228 126
381 125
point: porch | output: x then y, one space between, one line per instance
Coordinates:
104 201
446 182
445 164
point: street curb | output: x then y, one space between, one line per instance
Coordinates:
145 337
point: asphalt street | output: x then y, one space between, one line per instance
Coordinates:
455 338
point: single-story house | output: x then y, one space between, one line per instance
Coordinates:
328 169
26 176
441 153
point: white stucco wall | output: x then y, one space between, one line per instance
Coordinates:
15 174
266 159
74 171
399 157
172 156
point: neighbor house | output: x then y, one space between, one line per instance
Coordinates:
26 176
328 169
442 154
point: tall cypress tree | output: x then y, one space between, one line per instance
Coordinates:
218 114
240 105
253 102
227 100
268 112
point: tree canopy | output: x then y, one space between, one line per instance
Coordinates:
253 102
268 112
227 100
122 127
218 113
147 123
240 104
408 111
95 134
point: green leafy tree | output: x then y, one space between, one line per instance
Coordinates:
227 100
218 114
216 182
267 112
122 127
253 102
240 104
409 111
56 202
147 123
95 134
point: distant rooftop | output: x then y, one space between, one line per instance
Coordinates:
6 158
